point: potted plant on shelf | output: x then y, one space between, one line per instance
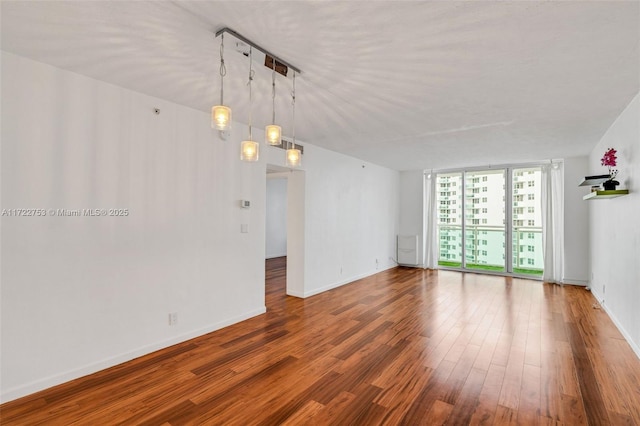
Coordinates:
609 160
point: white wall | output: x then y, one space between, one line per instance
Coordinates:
576 222
83 293
412 207
296 225
614 227
350 218
276 217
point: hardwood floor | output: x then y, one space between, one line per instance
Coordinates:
403 347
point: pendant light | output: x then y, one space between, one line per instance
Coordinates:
273 132
250 149
221 114
294 156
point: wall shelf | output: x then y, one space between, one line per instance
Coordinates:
594 180
597 195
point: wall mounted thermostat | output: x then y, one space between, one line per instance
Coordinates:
245 204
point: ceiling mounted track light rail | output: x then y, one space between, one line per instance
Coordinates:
281 66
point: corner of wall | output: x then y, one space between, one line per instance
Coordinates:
613 228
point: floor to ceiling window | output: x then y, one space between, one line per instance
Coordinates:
449 206
526 223
484 195
490 220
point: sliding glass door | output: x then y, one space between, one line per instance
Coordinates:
490 220
484 230
449 205
526 224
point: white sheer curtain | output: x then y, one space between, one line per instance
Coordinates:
552 193
430 222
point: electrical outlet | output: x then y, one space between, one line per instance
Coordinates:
173 318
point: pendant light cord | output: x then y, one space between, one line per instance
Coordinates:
273 90
223 70
293 101
250 93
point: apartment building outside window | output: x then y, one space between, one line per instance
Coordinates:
494 216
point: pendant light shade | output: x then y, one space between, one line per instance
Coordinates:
221 114
250 151
294 157
273 133
221 117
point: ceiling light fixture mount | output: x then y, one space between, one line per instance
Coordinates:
281 66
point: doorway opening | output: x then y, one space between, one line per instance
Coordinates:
284 233
275 238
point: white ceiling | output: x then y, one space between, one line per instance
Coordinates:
408 85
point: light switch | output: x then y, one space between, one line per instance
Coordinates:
244 228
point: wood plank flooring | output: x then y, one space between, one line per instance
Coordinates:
403 347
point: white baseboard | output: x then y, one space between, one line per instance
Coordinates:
295 294
619 326
47 382
573 281
343 282
419 266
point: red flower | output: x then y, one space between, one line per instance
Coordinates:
609 158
